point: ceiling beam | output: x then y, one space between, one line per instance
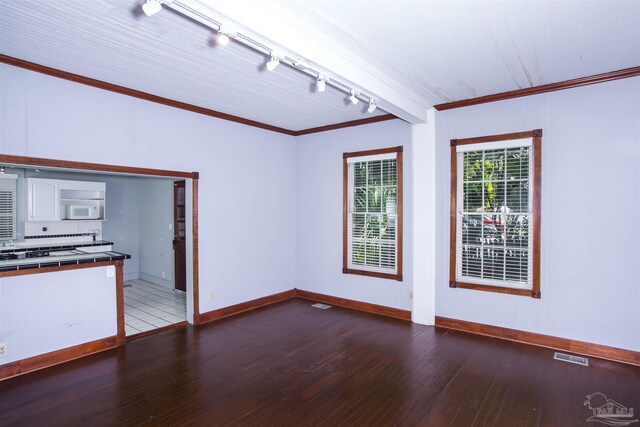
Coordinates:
264 23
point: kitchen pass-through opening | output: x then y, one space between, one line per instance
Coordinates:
151 216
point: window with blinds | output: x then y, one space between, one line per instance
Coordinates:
8 206
372 213
494 244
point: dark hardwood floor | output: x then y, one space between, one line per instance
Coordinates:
291 364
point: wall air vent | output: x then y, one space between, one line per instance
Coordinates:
320 306
571 359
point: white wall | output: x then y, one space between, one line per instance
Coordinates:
590 214
247 175
156 231
40 313
319 214
122 227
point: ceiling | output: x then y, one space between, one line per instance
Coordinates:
411 54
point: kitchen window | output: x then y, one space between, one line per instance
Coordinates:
495 213
8 206
372 213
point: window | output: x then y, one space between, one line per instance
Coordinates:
372 213
8 206
495 213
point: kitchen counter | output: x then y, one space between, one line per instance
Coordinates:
52 246
61 258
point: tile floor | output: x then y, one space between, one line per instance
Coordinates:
149 306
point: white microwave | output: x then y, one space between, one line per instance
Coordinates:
83 212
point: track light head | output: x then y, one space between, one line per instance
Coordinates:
151 7
273 63
353 98
223 39
372 105
321 84
1 169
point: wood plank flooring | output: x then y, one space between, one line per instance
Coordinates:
291 364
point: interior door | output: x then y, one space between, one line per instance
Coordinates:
179 236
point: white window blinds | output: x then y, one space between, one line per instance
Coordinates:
372 215
8 206
494 242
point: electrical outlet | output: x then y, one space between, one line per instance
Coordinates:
164 276
4 349
212 296
411 295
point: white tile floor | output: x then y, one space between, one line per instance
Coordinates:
149 306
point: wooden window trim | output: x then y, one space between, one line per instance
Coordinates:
536 136
345 213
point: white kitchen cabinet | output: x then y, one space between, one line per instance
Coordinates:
82 193
43 199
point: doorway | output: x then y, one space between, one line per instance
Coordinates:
179 236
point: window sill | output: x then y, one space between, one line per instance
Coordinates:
498 289
397 277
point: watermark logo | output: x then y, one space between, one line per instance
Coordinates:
608 411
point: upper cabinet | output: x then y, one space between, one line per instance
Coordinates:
43 199
54 200
82 200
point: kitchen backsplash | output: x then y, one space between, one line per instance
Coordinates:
62 231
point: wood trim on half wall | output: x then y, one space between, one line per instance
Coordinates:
100 84
535 90
355 305
573 346
46 360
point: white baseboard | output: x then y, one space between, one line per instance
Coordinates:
156 280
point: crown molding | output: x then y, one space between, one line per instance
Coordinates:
551 87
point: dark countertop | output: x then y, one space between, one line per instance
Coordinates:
71 257
57 247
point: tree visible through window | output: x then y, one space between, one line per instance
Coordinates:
372 213
495 242
495 214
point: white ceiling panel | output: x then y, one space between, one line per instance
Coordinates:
446 51
169 56
429 51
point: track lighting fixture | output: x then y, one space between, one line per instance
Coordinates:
1 169
151 7
273 63
372 105
227 30
223 39
353 98
321 84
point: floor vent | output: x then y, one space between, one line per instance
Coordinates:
321 306
571 359
127 285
